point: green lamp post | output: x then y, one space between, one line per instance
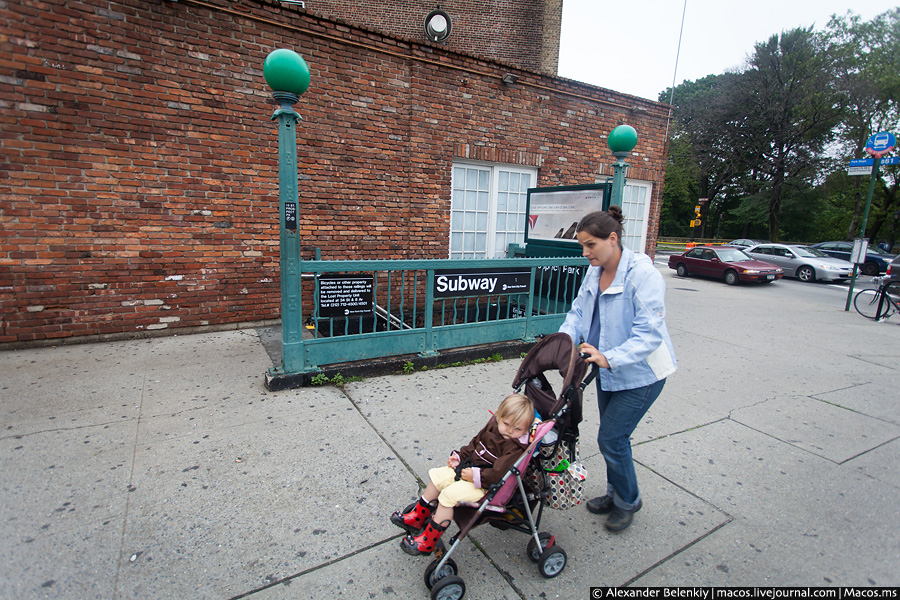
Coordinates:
621 141
287 75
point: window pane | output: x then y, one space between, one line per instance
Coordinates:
456 199
482 221
482 200
470 221
480 242
455 242
513 182
469 241
470 200
471 178
501 201
484 180
456 221
525 183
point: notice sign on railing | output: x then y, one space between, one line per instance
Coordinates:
453 283
344 295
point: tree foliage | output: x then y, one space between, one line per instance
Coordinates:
769 144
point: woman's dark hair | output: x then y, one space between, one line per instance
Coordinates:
600 224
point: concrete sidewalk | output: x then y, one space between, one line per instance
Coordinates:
162 468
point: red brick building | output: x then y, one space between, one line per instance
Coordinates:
139 188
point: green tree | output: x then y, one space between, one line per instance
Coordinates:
680 186
867 60
792 107
700 146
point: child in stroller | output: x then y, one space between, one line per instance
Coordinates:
477 465
516 501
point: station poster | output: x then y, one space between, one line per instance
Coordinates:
553 213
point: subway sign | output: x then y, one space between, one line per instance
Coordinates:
455 283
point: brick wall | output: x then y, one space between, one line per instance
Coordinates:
138 161
521 33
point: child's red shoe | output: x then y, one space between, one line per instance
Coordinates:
425 542
415 518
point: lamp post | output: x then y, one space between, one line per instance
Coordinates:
621 141
287 75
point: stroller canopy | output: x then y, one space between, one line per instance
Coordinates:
554 352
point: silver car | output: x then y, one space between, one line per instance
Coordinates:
803 262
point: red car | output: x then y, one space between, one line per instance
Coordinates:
724 262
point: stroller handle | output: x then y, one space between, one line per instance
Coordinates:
593 374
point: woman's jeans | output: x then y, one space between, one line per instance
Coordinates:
620 413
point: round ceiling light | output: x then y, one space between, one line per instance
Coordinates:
437 26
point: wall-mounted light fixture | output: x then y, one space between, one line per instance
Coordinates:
438 25
509 78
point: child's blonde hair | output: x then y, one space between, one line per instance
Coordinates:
517 409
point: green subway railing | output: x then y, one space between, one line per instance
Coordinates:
393 307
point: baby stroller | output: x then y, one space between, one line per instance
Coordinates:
516 502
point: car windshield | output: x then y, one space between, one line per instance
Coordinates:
879 251
807 252
732 255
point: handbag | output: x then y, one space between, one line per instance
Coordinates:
559 465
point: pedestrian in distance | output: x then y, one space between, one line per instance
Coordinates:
469 471
618 318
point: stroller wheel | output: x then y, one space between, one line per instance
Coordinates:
552 562
449 588
532 550
448 570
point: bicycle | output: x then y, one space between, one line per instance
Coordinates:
881 303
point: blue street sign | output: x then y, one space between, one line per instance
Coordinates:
868 162
880 143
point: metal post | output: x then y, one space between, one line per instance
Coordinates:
287 75
618 187
862 228
292 358
621 141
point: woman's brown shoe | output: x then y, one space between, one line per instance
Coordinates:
601 505
619 519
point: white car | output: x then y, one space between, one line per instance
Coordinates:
804 263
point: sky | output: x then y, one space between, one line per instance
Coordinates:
631 47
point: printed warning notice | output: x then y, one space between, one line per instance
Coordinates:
342 295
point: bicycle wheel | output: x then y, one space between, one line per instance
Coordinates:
866 303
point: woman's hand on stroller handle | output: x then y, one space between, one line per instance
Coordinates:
592 355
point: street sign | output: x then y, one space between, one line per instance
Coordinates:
695 222
881 143
863 166
868 162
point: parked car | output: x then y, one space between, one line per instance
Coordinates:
804 263
724 262
877 259
746 242
893 270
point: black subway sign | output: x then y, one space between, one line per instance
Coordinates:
290 215
454 283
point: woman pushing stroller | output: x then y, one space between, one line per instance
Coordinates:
469 472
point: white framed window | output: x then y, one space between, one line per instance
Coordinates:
636 209
487 208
